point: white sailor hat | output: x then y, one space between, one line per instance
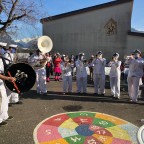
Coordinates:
99 52
12 46
57 53
116 54
137 51
3 44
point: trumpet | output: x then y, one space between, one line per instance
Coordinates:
128 57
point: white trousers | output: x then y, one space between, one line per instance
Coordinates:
4 104
81 84
41 80
133 87
67 83
115 86
99 83
12 96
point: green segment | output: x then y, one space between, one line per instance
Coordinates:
102 123
75 139
81 114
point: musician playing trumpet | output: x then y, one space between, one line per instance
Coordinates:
99 64
66 76
81 74
115 74
38 62
136 66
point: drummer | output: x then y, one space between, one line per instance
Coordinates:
3 96
13 97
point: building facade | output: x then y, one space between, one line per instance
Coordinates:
103 27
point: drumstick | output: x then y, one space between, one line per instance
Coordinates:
14 83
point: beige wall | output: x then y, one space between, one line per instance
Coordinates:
135 42
86 33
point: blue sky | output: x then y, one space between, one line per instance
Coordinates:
54 7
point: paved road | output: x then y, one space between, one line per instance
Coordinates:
36 108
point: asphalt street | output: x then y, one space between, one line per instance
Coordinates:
36 108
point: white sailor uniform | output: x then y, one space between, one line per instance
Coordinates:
4 99
115 74
99 75
13 97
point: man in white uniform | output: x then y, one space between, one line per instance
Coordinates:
115 74
13 97
38 62
136 66
99 73
3 96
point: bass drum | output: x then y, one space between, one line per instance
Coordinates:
25 77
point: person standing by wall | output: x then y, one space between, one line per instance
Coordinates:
115 75
99 73
136 66
57 69
66 76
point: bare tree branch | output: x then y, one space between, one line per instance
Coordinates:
17 10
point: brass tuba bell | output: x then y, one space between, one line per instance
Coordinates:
45 44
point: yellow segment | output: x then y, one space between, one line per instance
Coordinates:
117 132
103 139
69 124
59 141
112 119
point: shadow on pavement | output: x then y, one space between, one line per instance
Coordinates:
76 97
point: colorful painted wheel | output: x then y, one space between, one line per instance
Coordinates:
85 128
141 135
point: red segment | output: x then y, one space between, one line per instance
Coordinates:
120 141
46 133
83 120
56 120
91 140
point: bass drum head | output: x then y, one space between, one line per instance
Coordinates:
25 77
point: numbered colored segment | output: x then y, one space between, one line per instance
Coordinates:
102 123
75 139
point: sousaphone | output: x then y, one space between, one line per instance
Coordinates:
45 44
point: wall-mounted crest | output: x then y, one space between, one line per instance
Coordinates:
111 27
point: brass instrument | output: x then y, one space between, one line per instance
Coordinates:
44 46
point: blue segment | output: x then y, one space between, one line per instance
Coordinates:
84 130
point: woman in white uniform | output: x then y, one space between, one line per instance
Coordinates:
136 66
115 74
99 64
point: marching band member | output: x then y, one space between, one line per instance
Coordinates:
91 66
3 96
115 74
136 65
48 66
38 61
57 68
81 74
99 73
66 76
13 97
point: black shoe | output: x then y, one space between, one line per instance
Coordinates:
10 104
95 94
10 118
19 102
3 123
102 94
